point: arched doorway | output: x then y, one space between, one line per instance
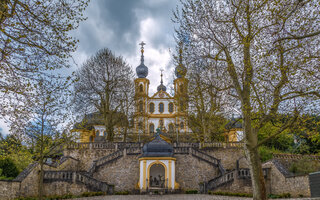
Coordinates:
157 176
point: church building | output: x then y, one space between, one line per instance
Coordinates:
160 110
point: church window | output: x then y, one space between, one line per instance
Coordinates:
161 123
181 125
140 106
171 128
97 133
181 106
181 88
171 107
151 107
161 107
151 128
141 88
104 133
140 125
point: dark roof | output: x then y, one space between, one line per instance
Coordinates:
234 123
97 119
157 148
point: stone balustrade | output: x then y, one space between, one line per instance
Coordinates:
78 177
123 145
284 156
221 180
181 150
221 145
66 176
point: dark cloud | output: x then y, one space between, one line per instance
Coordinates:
115 24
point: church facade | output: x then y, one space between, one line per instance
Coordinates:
160 110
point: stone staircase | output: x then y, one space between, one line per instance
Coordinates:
200 155
96 164
221 180
240 173
208 158
78 177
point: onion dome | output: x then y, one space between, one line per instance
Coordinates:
180 70
142 70
161 86
157 148
234 123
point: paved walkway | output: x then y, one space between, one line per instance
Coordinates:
174 197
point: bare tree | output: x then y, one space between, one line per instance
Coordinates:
44 130
34 40
105 85
268 52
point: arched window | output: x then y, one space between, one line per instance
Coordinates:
104 133
171 128
151 107
151 128
181 106
140 125
181 125
140 88
140 106
161 123
181 88
97 133
171 107
161 107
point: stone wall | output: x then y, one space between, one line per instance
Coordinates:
191 171
9 189
295 185
237 186
86 156
62 188
123 173
228 156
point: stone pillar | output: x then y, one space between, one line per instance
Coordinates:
144 174
124 152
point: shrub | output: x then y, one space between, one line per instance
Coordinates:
191 191
91 194
123 193
230 194
276 196
8 167
304 166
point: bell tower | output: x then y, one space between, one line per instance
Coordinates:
141 95
181 95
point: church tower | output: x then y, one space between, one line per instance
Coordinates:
141 95
181 95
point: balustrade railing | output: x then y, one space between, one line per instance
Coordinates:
221 180
108 158
58 176
181 150
72 177
133 150
221 145
245 172
122 145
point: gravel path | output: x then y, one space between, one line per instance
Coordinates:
175 197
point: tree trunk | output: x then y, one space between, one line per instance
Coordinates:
258 183
40 188
257 179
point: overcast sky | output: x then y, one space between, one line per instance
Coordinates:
121 25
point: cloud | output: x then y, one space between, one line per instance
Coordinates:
4 129
121 25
